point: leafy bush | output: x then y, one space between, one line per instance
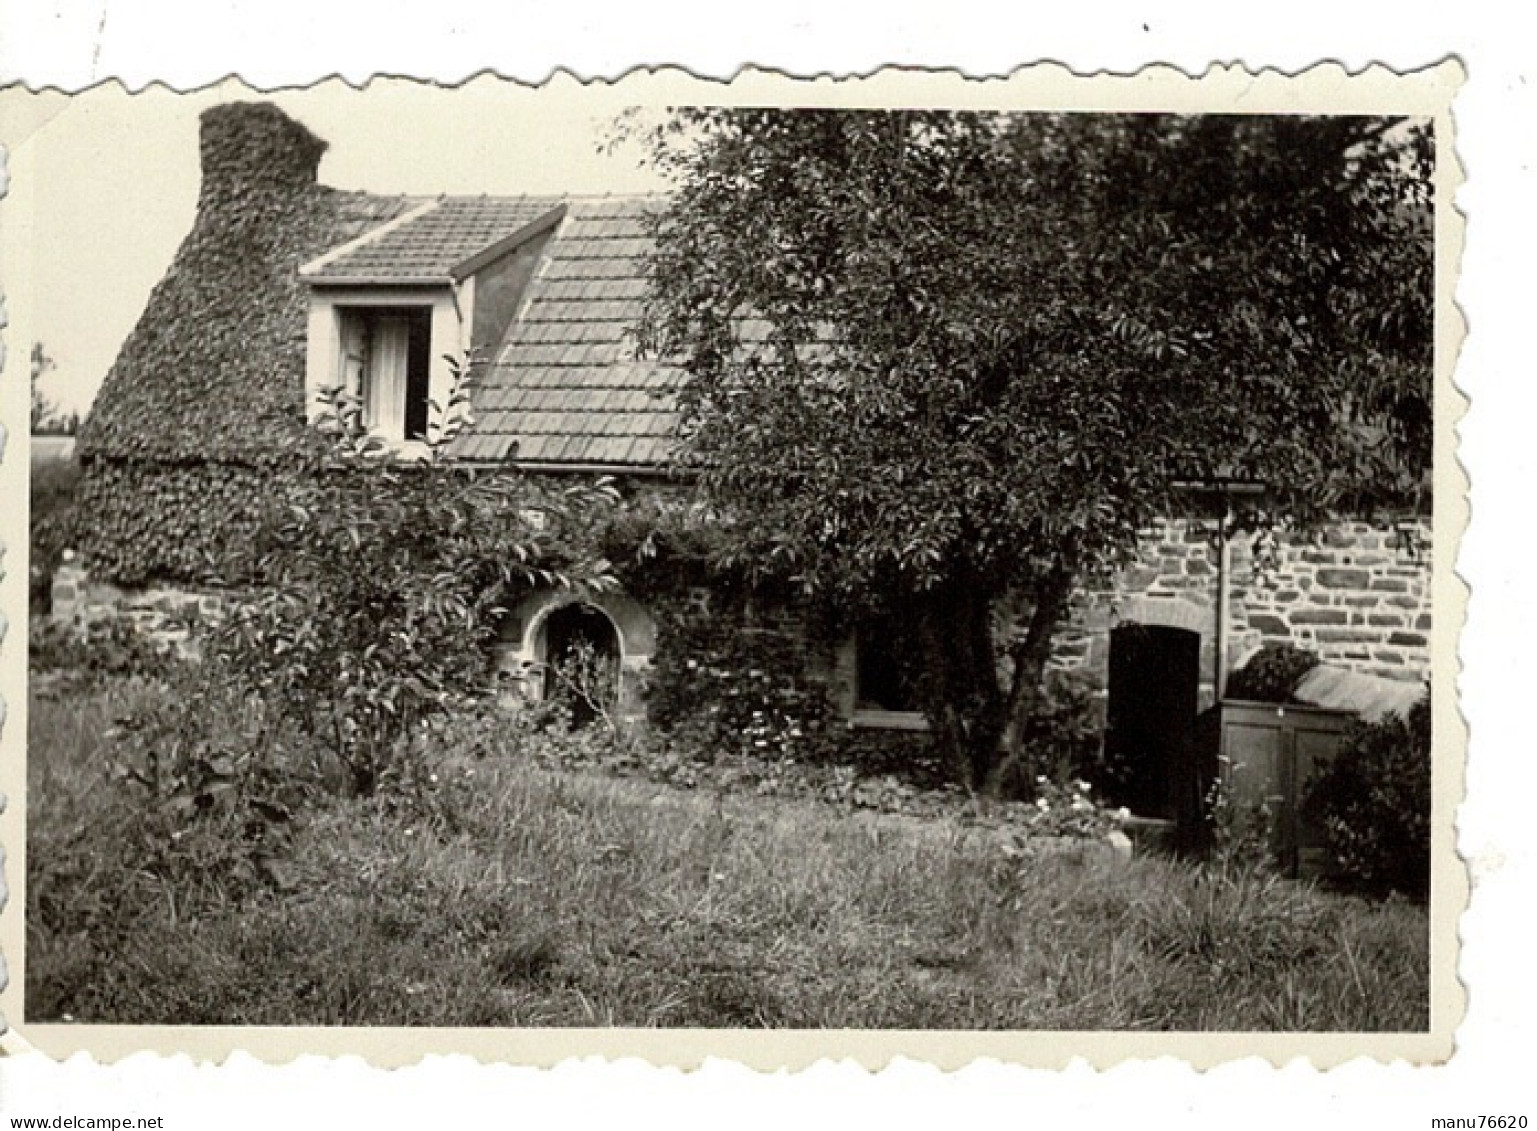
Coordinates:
218 777
177 792
381 584
1062 738
1272 674
1373 805
111 646
719 682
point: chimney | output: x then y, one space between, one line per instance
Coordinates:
249 147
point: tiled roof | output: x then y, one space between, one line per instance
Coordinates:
564 386
430 242
357 213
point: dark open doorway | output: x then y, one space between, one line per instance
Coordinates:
581 651
1150 727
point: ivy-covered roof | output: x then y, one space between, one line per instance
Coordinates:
214 369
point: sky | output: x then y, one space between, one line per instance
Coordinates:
104 185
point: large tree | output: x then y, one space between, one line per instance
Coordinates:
936 359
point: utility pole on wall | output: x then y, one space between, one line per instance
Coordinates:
1224 611
1224 489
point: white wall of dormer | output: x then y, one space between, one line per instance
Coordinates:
452 308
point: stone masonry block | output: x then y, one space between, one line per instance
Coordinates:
1336 578
1319 616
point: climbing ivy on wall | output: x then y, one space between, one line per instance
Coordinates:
145 522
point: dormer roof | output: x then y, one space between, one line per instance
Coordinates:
439 241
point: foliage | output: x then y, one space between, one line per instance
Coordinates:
1239 833
141 522
1271 675
54 484
173 792
1070 809
1373 804
48 419
110 646
380 584
219 799
1063 735
517 896
586 684
939 357
666 543
721 682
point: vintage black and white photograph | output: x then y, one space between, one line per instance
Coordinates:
733 565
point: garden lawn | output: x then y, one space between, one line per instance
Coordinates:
504 894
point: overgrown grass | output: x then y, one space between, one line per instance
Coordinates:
504 894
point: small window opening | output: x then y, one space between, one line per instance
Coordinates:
887 670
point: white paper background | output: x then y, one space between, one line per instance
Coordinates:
71 44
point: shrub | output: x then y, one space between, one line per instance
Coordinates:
111 646
1063 736
1372 804
218 778
1272 674
381 584
176 793
719 682
53 488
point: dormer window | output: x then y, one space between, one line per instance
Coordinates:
385 361
392 312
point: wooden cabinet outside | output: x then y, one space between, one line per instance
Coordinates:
1270 753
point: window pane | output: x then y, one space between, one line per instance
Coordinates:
386 354
417 366
887 671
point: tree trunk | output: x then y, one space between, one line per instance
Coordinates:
963 698
1030 656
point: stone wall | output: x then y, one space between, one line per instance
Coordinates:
164 614
1357 594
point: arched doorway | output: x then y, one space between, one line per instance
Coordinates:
581 657
1150 723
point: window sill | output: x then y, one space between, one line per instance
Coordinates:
888 720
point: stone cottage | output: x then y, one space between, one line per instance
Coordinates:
285 286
